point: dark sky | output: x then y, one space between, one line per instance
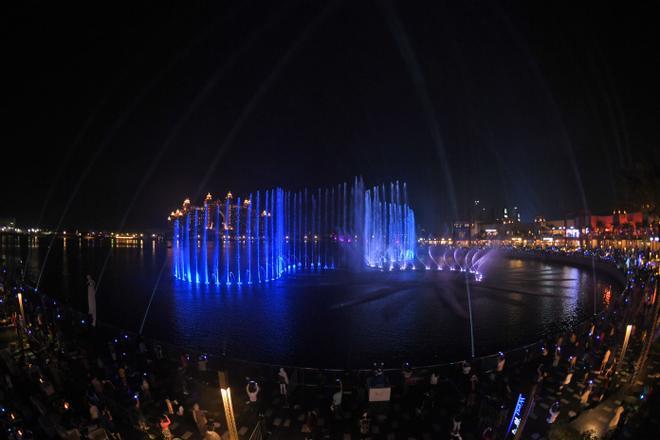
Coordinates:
119 112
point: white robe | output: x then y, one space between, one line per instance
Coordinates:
91 300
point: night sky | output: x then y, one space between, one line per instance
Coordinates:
113 115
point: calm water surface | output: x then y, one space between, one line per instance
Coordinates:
330 319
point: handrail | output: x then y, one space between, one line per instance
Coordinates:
238 361
223 358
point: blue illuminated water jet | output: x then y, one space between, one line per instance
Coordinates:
344 226
205 268
238 241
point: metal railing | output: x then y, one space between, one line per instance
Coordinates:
259 432
312 376
300 376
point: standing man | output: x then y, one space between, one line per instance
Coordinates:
91 298
283 379
335 407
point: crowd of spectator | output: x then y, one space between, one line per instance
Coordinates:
64 377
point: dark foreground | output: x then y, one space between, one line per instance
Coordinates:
66 379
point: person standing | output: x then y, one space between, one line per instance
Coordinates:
540 373
557 357
252 390
365 424
146 391
309 424
407 377
169 406
283 380
567 379
606 358
165 427
93 413
584 397
611 369
616 418
199 416
500 362
91 298
472 393
553 413
121 373
337 399
487 434
456 427
106 421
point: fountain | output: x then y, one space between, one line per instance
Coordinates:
344 226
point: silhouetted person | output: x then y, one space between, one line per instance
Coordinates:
365 424
553 413
165 427
283 380
337 399
252 390
91 298
199 416
456 427
210 433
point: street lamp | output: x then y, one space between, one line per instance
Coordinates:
225 393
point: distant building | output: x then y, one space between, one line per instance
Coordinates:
621 228
515 214
462 230
8 222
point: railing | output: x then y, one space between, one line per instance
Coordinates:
300 376
258 433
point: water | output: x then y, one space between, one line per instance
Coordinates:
373 227
322 318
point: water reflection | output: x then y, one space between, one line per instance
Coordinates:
332 319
